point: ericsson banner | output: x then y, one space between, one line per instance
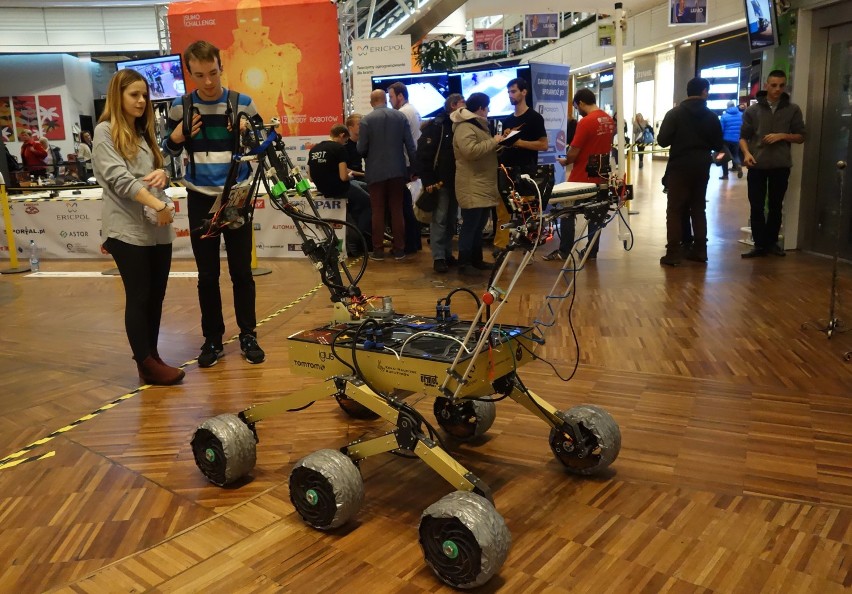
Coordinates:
283 54
68 228
377 57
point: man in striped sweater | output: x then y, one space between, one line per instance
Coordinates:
210 145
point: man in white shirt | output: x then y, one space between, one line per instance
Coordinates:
398 95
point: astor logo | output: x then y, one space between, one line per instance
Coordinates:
65 234
309 364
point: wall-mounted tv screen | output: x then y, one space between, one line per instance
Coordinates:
163 73
493 83
426 92
762 24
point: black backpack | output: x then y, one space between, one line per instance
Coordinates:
232 111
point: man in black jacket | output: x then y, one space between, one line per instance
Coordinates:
693 132
437 163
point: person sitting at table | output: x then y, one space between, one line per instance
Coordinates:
84 156
32 153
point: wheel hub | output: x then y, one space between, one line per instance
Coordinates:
450 549
210 455
311 497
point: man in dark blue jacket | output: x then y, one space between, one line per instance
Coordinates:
769 127
693 132
732 121
384 139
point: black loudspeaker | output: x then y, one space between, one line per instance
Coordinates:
100 105
87 123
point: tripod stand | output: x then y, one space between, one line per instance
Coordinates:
834 324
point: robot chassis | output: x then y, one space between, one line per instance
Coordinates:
376 357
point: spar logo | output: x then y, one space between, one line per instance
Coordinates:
31 209
260 203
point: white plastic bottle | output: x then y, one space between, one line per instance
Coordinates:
34 263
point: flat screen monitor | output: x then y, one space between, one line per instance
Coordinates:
163 73
426 92
762 24
493 83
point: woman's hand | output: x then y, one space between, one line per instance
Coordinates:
166 216
156 179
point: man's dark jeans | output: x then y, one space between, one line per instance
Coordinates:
766 186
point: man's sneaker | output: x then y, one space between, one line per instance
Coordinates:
210 353
754 252
440 266
251 350
398 256
777 250
553 256
377 256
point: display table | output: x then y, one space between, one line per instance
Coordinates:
69 225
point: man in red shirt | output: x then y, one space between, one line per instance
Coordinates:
593 137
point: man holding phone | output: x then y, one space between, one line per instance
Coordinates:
211 142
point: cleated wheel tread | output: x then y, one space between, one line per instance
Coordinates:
595 424
464 419
224 448
353 408
464 539
326 489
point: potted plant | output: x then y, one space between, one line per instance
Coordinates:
435 55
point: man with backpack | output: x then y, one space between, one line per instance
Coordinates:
212 116
437 164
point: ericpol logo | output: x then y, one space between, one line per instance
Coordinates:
362 49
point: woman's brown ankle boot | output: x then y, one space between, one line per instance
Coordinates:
155 373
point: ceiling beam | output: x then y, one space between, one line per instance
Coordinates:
431 16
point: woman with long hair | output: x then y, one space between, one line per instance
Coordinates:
84 156
137 216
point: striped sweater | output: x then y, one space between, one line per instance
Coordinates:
212 147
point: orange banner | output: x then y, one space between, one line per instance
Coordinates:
283 54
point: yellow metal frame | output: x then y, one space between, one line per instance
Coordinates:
405 376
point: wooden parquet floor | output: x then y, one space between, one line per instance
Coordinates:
735 473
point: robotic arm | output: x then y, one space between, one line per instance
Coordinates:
264 147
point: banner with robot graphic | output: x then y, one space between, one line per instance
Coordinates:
282 53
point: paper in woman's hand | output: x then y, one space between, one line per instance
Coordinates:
510 138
